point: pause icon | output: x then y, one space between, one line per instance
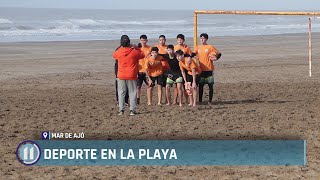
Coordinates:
28 152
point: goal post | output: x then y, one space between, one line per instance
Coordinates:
288 13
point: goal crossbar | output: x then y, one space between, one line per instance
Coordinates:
283 13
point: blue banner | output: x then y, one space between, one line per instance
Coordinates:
163 152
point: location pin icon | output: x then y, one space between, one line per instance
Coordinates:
45 134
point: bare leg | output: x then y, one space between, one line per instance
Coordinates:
190 100
168 95
185 94
159 94
149 95
179 89
194 93
175 94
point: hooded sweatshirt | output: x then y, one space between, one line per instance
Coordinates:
128 60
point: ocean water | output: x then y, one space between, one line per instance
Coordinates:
22 24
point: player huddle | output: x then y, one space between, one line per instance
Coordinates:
165 66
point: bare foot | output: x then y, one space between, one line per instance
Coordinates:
194 105
174 103
159 104
168 104
180 105
190 104
149 104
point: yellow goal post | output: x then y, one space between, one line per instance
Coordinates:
289 13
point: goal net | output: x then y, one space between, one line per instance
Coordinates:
284 23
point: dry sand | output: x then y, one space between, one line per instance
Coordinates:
262 91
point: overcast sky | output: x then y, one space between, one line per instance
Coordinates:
168 4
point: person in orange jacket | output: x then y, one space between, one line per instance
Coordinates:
128 59
116 74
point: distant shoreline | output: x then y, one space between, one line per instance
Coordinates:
54 24
154 39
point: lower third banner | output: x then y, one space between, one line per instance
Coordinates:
162 152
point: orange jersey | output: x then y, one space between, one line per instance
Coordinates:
203 52
184 65
184 48
154 66
128 62
165 64
146 51
162 49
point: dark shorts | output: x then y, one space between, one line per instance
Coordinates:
159 80
164 80
142 77
190 78
206 77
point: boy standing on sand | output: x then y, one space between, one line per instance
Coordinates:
154 73
181 45
207 54
142 70
174 77
186 50
128 59
162 45
190 78
162 52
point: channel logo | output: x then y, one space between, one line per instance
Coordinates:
28 152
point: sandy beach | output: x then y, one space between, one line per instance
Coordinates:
262 91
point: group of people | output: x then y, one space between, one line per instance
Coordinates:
165 66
